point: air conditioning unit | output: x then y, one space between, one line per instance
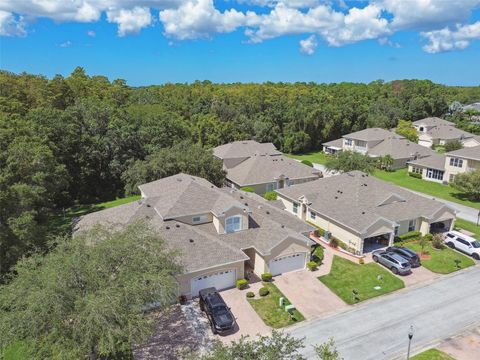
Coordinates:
327 235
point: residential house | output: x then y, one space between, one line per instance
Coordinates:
363 212
435 131
222 235
261 167
444 168
377 142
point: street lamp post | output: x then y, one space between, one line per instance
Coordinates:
410 336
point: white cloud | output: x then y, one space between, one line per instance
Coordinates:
386 41
309 45
11 25
91 33
196 19
130 21
448 40
65 44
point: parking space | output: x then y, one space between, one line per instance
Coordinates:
418 276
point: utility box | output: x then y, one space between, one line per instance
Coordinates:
290 309
281 301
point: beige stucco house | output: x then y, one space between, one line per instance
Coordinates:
377 142
222 235
261 166
363 212
444 168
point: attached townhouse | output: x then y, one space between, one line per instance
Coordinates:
363 212
444 168
377 142
261 166
435 131
221 234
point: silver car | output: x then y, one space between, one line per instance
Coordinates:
396 263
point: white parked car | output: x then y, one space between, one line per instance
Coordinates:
457 240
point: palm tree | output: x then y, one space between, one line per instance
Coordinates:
387 161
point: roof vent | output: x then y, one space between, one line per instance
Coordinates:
177 225
363 212
179 179
148 205
167 227
191 240
268 212
241 197
246 204
283 226
336 197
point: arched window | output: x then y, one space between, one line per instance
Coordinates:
233 224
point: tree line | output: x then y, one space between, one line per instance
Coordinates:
84 139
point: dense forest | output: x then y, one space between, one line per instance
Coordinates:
82 139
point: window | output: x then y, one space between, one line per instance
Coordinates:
198 219
312 215
411 225
416 170
451 178
434 174
348 142
295 208
270 187
456 162
233 224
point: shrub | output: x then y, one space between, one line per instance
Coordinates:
248 189
437 242
242 284
415 175
412 235
318 255
361 261
250 294
428 237
307 162
334 242
270 195
312 265
263 291
267 277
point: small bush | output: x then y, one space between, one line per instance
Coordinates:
267 277
334 242
270 195
248 189
415 175
318 255
242 284
250 294
412 235
361 261
263 291
437 242
307 162
312 265
428 237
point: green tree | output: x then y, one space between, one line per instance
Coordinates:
328 351
296 142
88 295
406 129
345 161
183 157
453 145
385 162
468 184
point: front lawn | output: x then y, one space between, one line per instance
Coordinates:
318 157
16 351
267 307
441 261
469 226
432 354
401 178
347 276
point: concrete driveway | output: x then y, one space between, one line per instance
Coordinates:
462 347
418 276
248 322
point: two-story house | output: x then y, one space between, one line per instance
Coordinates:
261 166
221 234
435 131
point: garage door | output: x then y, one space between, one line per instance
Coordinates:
425 143
219 280
283 264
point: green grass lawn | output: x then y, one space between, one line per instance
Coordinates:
442 261
271 313
401 178
318 157
16 351
346 276
469 226
432 354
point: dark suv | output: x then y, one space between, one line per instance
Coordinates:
407 254
218 313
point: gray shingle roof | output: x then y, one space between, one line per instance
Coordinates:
434 161
448 133
243 149
399 149
472 153
371 134
433 121
260 169
358 201
338 143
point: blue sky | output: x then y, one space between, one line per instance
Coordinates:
242 41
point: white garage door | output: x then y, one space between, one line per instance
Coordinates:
219 280
425 143
283 264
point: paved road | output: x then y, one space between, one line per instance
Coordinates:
463 212
378 329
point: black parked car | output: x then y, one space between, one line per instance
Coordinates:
407 254
218 313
